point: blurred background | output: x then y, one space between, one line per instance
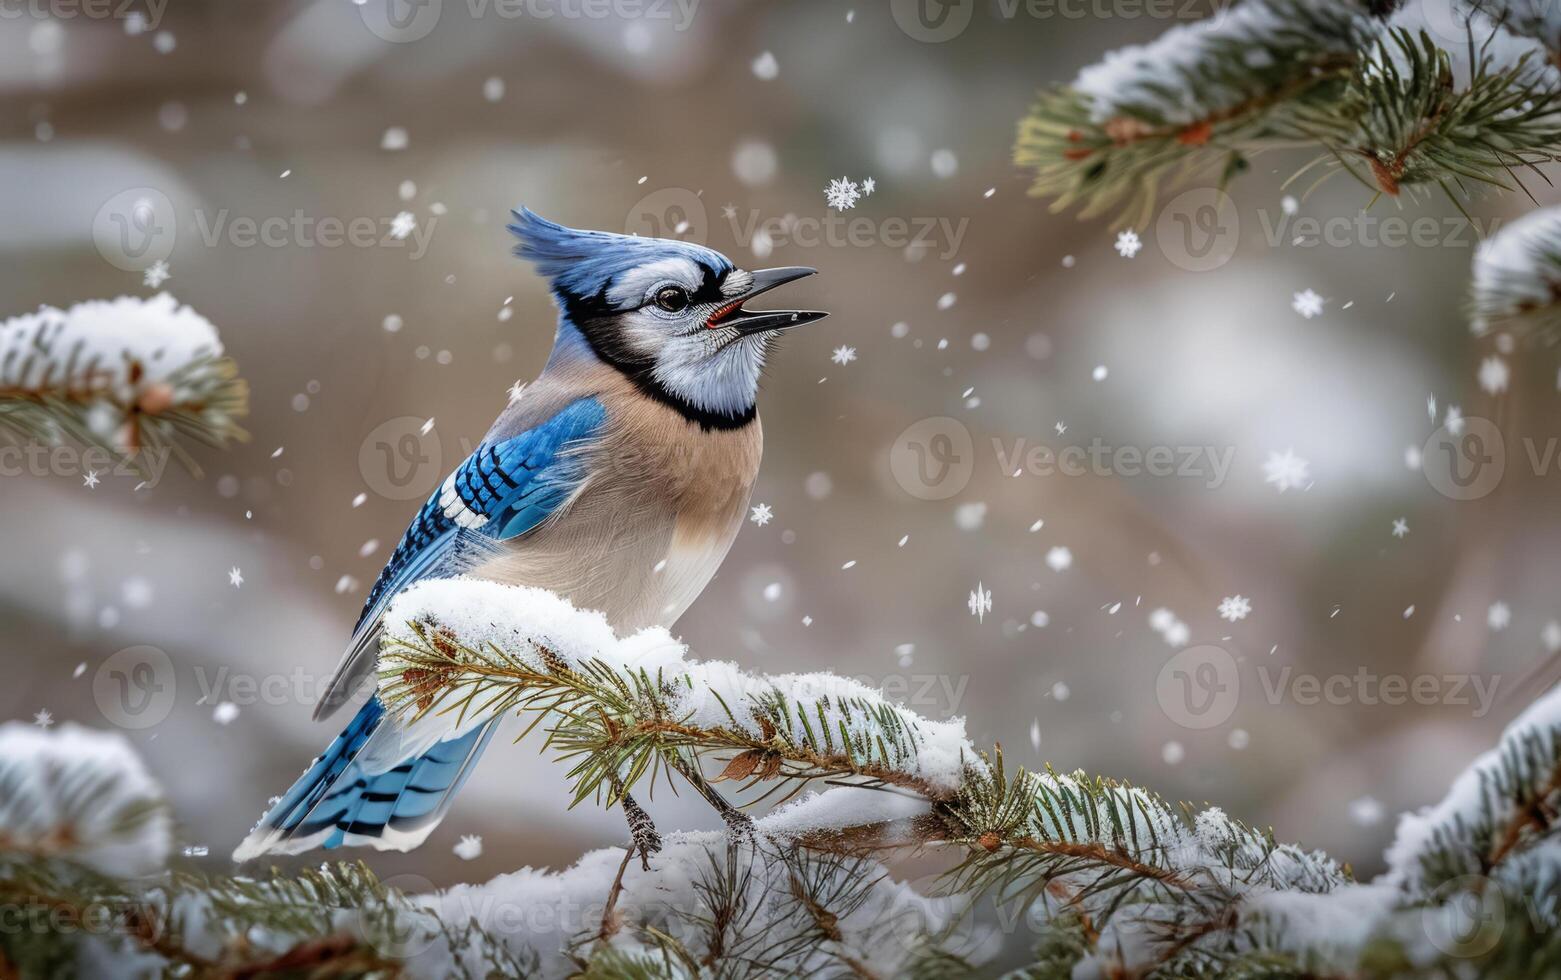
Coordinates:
261 133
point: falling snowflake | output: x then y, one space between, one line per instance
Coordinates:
761 514
1286 470
980 602
843 355
1551 636
402 224
1366 812
1059 559
1498 617
1454 420
155 275
469 848
1177 634
868 186
235 577
1307 303
225 713
1128 243
43 719
1400 527
1234 607
1494 375
91 481
1061 427
841 194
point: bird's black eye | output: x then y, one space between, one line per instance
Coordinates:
673 299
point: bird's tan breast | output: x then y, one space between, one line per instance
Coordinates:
650 524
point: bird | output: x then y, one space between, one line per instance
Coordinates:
617 479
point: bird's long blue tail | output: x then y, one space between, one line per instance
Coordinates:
338 801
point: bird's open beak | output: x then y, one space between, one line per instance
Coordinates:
759 321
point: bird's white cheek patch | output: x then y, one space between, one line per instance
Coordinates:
455 508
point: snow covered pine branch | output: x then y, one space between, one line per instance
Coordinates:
1428 94
1103 879
128 376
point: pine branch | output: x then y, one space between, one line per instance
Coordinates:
1120 882
1376 95
131 377
1517 276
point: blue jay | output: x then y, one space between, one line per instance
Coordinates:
617 479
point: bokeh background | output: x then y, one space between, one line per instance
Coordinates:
1019 323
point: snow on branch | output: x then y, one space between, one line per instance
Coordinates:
458 651
1517 274
1506 802
1395 100
130 375
1150 884
761 908
80 795
1112 879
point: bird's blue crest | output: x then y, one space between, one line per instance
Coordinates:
581 262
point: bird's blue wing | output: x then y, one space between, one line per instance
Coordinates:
502 490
